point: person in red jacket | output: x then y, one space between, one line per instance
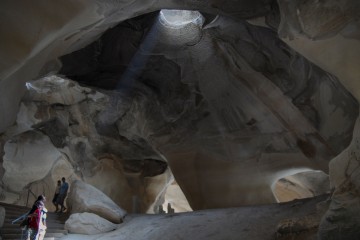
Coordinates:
35 218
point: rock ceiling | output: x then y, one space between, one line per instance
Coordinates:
249 93
236 82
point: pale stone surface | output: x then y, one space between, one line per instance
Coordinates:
302 185
333 30
109 178
62 168
250 223
176 198
28 158
86 198
9 197
88 223
342 221
56 90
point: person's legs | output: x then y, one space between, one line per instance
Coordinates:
54 201
61 199
41 234
27 234
32 233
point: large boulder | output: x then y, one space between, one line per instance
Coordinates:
88 223
86 198
28 157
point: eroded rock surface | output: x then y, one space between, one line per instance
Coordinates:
228 105
342 221
86 198
88 223
28 158
60 135
243 85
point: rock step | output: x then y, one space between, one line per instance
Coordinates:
12 206
18 236
49 225
48 231
49 216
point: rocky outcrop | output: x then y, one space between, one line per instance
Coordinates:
326 33
58 134
86 198
341 221
28 158
88 224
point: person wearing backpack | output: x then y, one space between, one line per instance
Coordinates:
34 218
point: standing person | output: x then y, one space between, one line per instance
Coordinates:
56 195
62 194
34 217
42 224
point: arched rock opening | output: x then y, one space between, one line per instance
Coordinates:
301 185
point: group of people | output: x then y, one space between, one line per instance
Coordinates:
60 195
36 218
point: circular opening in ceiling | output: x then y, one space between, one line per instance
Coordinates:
179 18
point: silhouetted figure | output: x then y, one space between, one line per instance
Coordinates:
56 195
170 209
161 209
62 194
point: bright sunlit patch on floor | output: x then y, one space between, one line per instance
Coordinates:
180 18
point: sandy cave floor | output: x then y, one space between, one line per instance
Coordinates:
249 223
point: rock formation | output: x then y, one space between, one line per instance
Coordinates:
342 219
86 198
88 223
235 97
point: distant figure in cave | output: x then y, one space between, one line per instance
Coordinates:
56 195
170 209
62 195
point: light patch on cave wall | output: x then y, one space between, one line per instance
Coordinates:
180 18
301 185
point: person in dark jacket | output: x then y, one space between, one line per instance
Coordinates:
56 195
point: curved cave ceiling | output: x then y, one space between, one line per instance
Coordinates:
216 98
228 104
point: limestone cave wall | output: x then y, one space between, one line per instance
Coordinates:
251 92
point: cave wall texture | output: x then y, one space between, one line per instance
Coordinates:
228 105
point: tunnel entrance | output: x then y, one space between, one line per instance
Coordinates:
301 185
